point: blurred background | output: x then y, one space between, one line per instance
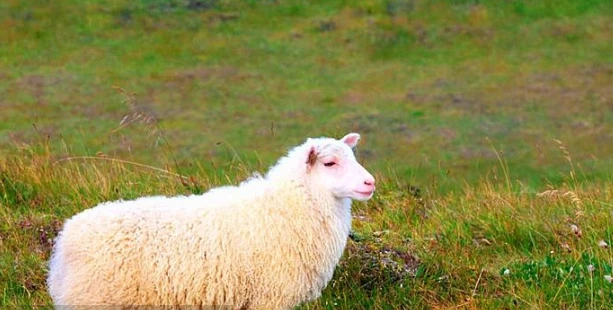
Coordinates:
488 124
443 92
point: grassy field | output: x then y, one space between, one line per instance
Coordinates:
488 124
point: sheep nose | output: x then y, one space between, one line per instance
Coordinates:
370 182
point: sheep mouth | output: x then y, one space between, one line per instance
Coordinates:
368 193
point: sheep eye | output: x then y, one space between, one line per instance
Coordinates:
330 164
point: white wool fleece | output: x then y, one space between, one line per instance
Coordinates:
261 245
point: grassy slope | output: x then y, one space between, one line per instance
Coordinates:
461 100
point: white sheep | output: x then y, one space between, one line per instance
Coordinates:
270 243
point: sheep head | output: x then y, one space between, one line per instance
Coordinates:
332 164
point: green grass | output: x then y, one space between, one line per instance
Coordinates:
487 124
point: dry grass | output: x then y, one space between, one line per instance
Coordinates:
488 246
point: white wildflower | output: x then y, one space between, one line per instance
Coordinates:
603 244
576 230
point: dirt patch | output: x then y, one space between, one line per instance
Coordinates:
4 76
204 73
354 97
42 232
378 263
35 85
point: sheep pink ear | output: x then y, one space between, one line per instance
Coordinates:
312 158
351 139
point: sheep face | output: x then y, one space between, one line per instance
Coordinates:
332 163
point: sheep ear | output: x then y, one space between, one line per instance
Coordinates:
351 139
312 158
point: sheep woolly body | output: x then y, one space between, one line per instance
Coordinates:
270 243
